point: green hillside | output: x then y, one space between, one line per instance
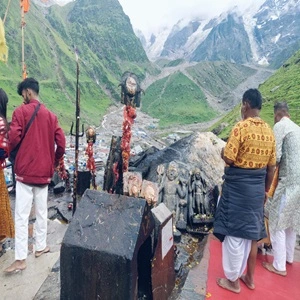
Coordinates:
176 100
281 86
104 39
179 99
219 77
165 63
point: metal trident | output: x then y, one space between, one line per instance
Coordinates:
77 135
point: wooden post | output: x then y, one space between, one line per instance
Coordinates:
24 72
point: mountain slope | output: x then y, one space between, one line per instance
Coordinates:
95 29
216 47
281 86
220 78
176 100
266 33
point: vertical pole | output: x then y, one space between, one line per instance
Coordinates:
77 116
4 19
24 75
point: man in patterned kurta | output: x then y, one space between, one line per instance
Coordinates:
239 219
284 206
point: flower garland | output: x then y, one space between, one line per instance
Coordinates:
90 164
129 116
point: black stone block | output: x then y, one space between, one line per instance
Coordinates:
106 238
83 181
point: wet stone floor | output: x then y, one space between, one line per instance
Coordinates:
188 252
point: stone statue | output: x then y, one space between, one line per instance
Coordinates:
169 191
130 89
150 192
197 193
132 184
183 179
182 191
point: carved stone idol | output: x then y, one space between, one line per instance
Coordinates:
182 191
132 184
169 191
150 192
197 195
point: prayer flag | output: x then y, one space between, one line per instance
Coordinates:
25 4
3 46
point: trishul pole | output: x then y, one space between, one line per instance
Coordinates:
77 135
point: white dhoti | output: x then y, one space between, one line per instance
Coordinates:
25 194
235 252
283 245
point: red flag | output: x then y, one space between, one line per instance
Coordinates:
25 4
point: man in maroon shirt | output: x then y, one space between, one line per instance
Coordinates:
42 146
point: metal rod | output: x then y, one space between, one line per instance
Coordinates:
77 135
77 115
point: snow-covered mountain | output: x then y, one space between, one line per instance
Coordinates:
48 3
266 33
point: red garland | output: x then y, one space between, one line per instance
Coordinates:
90 164
115 172
62 173
129 116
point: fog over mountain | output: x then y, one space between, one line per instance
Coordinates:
265 34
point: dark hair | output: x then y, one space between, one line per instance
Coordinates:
283 106
253 97
28 83
3 103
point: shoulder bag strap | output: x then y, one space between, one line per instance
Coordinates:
32 118
29 123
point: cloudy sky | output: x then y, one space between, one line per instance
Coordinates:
148 15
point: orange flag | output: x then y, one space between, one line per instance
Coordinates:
25 4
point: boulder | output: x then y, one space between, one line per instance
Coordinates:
199 150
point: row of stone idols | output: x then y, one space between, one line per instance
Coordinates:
183 191
135 186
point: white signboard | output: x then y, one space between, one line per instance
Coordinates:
167 238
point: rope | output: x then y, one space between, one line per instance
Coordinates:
8 4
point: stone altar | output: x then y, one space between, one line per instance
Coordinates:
110 247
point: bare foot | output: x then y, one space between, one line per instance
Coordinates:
271 268
250 285
233 286
39 253
16 266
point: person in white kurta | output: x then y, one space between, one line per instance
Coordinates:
284 206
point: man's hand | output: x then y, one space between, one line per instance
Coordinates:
56 164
